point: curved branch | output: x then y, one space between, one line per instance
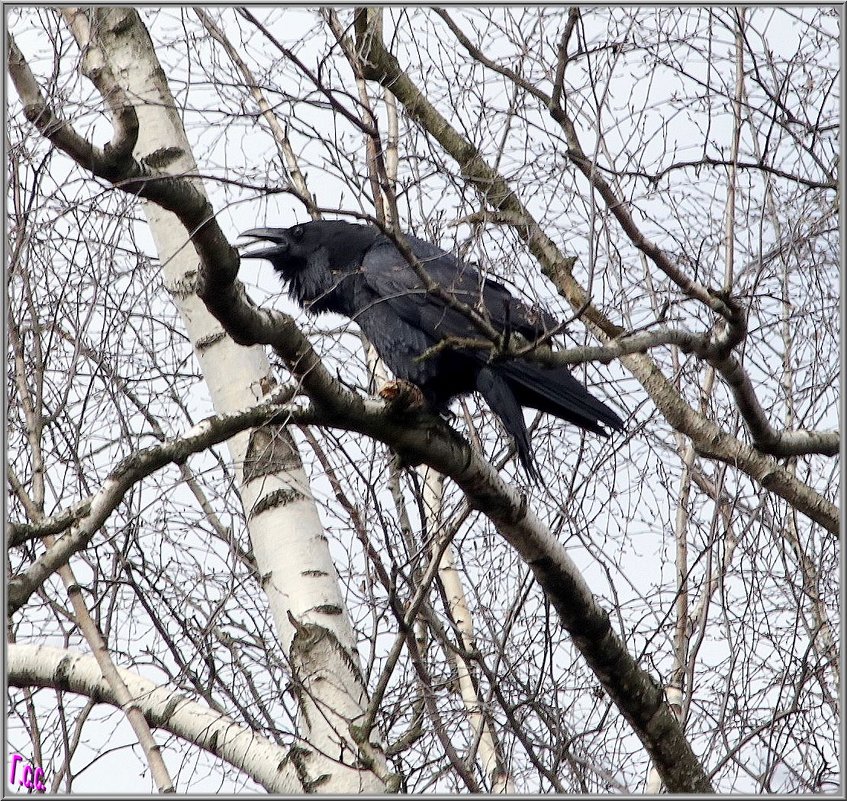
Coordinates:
93 513
163 708
104 162
114 163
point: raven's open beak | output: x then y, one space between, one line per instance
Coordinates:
277 235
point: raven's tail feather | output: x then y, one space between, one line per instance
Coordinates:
502 401
555 391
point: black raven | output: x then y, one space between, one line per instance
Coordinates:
357 271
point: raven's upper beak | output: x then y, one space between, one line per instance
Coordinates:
277 235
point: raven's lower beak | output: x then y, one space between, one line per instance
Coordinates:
277 235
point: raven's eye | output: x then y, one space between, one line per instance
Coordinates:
297 232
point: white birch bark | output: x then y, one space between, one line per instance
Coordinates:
238 745
500 779
291 550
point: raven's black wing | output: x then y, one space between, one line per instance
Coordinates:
550 389
394 281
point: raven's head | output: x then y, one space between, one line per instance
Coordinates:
293 249
313 257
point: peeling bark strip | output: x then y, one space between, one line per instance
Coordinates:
270 450
276 500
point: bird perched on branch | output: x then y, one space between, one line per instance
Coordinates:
427 316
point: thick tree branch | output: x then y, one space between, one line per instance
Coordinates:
163 708
105 162
764 437
18 533
708 439
114 163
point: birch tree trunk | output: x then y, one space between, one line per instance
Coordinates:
288 541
